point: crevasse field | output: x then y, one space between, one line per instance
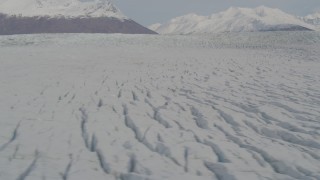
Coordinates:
240 106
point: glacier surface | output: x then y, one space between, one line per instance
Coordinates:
225 106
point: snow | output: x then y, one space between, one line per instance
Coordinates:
224 106
313 19
232 20
315 15
60 8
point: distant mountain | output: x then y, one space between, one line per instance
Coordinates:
313 19
65 16
234 20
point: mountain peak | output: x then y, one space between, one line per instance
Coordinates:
259 11
66 8
65 16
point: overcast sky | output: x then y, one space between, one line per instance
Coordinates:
148 12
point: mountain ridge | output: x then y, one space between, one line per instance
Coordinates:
65 8
234 19
65 16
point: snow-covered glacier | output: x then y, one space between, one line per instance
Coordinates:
228 106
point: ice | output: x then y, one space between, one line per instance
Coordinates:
224 106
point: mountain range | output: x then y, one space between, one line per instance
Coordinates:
101 16
239 20
65 16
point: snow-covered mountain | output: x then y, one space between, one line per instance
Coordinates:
234 20
313 19
65 8
66 16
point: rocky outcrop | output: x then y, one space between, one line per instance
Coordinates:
286 27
